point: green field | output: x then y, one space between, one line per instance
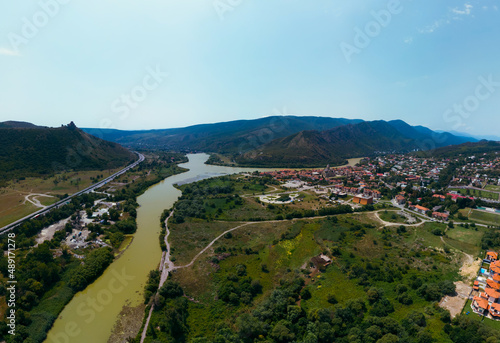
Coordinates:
466 235
494 188
13 205
392 217
485 217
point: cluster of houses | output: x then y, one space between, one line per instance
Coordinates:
357 191
473 172
443 216
486 289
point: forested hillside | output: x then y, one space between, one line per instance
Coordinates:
34 151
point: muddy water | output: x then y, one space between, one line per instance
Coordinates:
91 314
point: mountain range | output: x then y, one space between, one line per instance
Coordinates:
30 150
290 141
226 137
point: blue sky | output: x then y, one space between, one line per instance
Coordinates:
164 63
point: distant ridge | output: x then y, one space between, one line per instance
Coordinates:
290 141
32 150
19 125
226 137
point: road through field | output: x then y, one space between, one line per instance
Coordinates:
32 198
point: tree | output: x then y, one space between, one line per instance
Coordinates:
249 327
447 287
305 294
424 337
382 308
281 333
416 318
373 295
331 299
389 338
170 290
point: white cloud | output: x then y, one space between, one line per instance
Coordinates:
408 40
8 52
465 11
434 26
453 14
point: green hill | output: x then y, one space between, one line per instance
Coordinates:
317 148
34 151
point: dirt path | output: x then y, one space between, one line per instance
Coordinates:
165 267
32 198
398 224
212 242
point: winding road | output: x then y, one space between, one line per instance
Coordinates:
34 200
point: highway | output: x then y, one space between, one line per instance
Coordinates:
62 202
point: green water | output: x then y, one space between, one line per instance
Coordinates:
91 314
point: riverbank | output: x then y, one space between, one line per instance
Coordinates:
85 306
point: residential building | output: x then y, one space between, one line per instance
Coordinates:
362 200
440 216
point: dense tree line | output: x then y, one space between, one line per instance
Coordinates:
94 265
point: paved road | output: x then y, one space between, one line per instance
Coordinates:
62 202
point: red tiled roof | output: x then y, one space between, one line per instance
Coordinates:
492 254
492 284
492 293
495 307
482 303
495 267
